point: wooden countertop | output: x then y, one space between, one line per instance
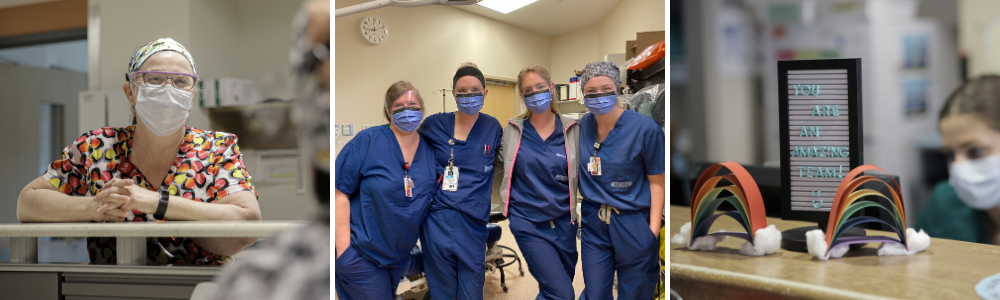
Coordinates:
150 229
946 270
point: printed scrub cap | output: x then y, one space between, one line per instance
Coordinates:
156 46
600 68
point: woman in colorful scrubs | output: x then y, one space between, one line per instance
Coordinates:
454 236
156 169
385 180
539 157
621 179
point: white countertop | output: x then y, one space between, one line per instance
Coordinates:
112 269
151 229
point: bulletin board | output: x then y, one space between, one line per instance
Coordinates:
821 134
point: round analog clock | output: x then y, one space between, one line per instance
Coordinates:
374 30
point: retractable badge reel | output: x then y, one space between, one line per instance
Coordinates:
594 167
451 172
407 181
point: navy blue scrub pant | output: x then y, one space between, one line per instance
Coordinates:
454 247
550 252
360 278
626 246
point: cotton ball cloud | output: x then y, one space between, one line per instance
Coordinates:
816 244
705 243
765 241
684 236
918 241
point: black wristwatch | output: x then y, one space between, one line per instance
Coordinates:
161 209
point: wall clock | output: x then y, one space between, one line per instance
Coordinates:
374 30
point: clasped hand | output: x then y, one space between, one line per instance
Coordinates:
118 197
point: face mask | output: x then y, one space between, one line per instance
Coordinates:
470 103
163 109
977 182
407 118
538 101
600 103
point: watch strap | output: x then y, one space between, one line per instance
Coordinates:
161 209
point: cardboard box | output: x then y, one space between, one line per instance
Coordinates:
258 126
228 92
645 39
629 50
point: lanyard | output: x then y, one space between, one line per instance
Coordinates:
597 146
451 160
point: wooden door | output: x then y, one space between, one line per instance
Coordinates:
500 102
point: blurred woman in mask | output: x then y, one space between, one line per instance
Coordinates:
539 186
967 207
151 170
465 145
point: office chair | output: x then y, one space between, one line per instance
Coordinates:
494 252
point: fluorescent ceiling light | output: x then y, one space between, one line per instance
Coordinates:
505 6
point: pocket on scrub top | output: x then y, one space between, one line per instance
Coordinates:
620 175
486 163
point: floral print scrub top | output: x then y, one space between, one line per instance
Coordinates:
208 166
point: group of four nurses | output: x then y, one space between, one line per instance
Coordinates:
431 179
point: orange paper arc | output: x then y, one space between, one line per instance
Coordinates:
743 181
847 184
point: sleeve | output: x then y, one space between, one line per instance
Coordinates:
498 166
68 173
232 176
348 165
654 151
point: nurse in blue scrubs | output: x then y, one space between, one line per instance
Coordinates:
539 188
386 180
454 236
621 167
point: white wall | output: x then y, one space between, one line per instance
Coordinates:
575 49
973 15
425 46
890 135
22 90
248 39
628 18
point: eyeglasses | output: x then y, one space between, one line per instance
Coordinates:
181 81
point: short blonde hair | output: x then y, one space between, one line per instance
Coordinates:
398 89
541 71
467 64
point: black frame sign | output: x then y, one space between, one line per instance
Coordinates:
821 136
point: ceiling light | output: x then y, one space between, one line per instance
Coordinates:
505 6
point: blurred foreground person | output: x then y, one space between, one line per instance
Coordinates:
296 264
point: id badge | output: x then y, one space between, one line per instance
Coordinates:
450 179
594 167
408 186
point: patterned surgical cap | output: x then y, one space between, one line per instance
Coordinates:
156 46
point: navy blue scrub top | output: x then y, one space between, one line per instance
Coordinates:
385 224
475 164
539 188
632 150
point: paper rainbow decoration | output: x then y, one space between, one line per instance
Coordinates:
745 197
848 201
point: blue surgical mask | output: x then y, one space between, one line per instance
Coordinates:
470 103
407 119
538 101
600 103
